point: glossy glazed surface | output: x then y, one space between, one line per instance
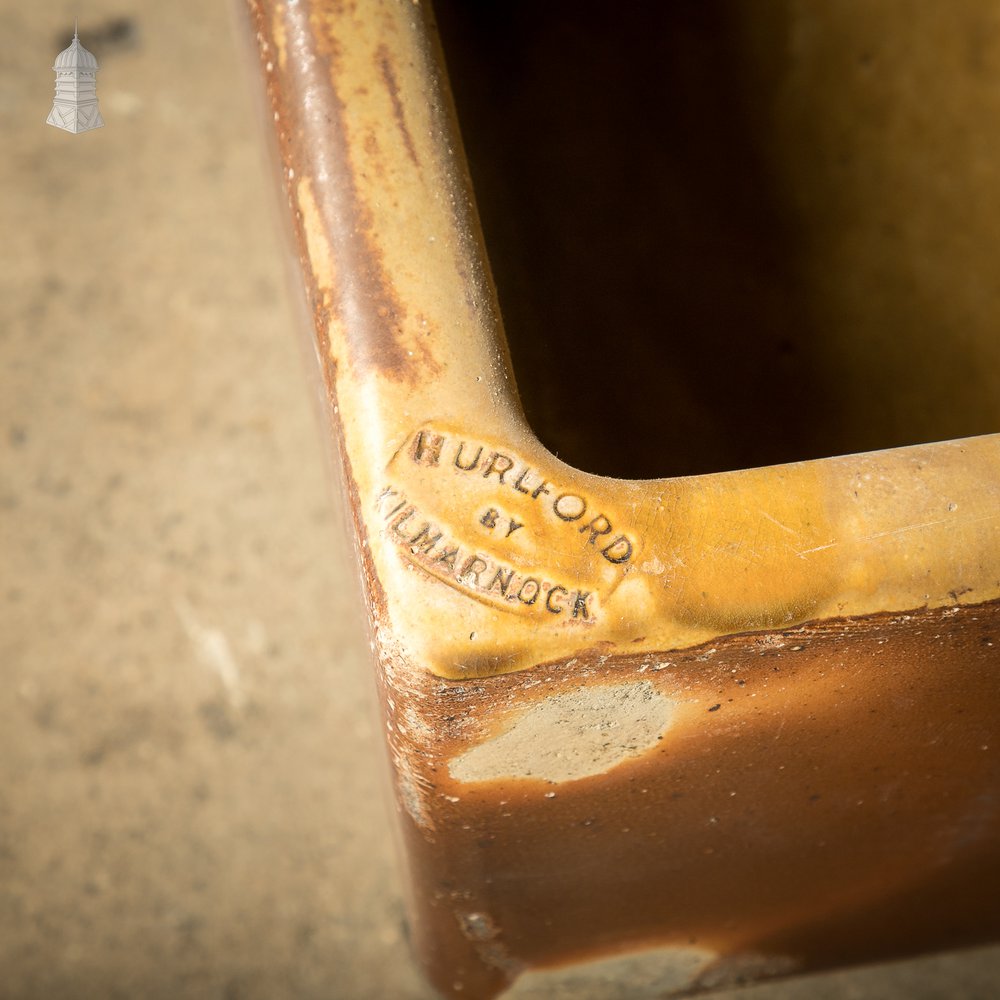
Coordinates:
515 600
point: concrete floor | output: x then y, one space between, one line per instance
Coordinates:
191 795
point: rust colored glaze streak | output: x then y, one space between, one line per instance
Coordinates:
280 76
389 78
314 146
303 104
808 750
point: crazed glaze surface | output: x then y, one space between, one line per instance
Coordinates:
795 666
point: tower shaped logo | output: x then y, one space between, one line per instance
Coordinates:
75 107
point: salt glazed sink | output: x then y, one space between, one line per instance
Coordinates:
654 736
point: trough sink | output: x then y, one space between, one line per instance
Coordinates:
683 578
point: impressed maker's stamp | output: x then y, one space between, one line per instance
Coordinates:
500 529
507 473
476 572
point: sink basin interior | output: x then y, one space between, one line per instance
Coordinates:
728 235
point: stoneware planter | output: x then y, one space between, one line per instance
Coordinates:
662 734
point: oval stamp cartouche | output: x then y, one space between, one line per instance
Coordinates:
483 521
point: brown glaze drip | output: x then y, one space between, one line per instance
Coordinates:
313 141
297 124
389 78
826 794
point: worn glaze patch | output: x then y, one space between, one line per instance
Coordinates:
646 975
572 735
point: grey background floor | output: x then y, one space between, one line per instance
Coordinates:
191 795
